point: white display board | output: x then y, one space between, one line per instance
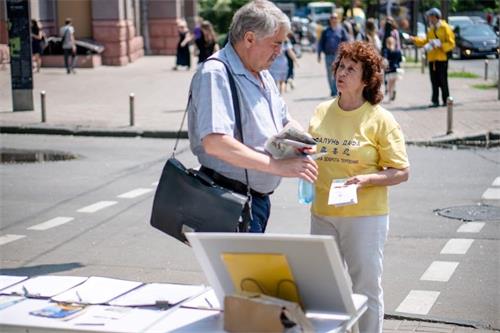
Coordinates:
314 260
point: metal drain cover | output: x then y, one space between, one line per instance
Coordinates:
471 213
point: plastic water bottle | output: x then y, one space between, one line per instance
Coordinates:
306 191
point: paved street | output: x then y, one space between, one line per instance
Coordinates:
97 207
99 99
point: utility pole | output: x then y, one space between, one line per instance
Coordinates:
21 71
445 8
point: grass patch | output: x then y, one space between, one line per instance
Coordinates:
485 86
463 75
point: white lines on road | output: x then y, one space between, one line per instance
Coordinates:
57 221
135 193
457 246
493 193
440 271
9 238
97 206
471 227
418 302
496 182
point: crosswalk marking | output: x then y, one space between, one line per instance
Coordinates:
135 193
472 227
493 193
96 207
439 271
418 302
496 182
51 223
9 238
457 246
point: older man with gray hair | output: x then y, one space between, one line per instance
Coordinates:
257 31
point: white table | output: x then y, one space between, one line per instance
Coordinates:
101 318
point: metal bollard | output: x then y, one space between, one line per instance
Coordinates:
486 70
449 115
422 68
42 105
131 108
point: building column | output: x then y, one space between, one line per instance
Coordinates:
113 27
162 18
4 34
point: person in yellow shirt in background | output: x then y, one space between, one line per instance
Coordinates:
364 145
439 40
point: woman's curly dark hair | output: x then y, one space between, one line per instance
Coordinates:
372 64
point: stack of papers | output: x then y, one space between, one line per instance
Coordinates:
96 290
9 280
44 286
158 294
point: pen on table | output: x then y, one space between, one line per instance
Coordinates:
208 302
78 296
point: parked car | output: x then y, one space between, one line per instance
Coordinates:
475 40
478 19
459 21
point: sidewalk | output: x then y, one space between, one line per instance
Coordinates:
96 101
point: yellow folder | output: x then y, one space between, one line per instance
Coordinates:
265 273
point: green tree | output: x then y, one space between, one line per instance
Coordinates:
220 12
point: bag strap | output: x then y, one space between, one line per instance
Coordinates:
237 116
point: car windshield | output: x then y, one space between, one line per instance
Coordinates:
460 22
477 30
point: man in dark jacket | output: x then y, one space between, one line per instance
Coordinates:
329 43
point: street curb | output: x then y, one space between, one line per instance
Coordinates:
436 320
443 141
97 132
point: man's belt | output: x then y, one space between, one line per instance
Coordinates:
229 183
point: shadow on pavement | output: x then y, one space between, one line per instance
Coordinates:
41 269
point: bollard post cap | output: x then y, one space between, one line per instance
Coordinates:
449 100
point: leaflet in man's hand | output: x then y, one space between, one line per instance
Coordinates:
286 143
341 194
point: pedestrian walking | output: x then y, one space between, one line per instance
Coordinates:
371 34
183 55
391 30
206 42
37 44
256 34
365 147
67 33
328 44
393 70
439 40
280 67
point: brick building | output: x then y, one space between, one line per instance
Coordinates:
126 28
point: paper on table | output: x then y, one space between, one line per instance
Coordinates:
342 195
207 300
44 286
96 290
7 300
155 293
10 280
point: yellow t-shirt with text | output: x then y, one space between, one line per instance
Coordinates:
361 141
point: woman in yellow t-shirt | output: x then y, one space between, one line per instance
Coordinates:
364 146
